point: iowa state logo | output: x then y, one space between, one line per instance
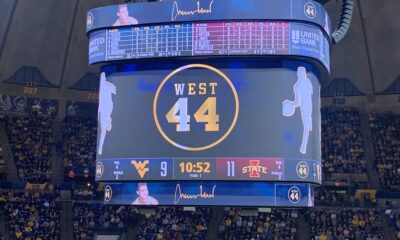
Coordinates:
141 167
254 169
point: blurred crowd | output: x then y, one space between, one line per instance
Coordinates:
31 139
32 215
89 217
2 160
385 130
394 220
343 224
79 141
85 191
278 224
342 141
173 223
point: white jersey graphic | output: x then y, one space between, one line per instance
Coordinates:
303 91
106 105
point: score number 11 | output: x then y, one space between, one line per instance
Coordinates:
230 168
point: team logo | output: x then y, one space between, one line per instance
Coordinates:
89 20
141 167
254 169
310 10
294 195
302 169
99 169
295 36
107 193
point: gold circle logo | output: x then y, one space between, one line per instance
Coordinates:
213 144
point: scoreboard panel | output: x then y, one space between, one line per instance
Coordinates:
198 122
257 38
210 194
210 169
226 109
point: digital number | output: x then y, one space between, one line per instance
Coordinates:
212 119
183 118
207 113
199 167
294 196
189 167
206 167
163 169
230 168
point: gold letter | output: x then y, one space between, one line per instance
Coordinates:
213 85
191 89
202 87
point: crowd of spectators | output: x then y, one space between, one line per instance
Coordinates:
394 220
79 141
278 224
342 141
32 215
385 130
328 197
2 160
175 223
31 139
343 224
85 191
89 217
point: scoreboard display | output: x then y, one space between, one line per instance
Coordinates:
209 39
210 102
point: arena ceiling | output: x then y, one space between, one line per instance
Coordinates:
369 55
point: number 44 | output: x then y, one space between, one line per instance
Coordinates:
207 113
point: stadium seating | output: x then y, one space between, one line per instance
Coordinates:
31 140
32 215
79 141
385 130
342 142
279 224
2 160
174 223
344 224
89 217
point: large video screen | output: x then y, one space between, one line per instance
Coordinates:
210 193
210 122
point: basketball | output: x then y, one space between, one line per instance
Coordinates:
287 108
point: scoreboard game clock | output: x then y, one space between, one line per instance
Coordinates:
210 103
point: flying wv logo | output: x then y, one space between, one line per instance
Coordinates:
141 167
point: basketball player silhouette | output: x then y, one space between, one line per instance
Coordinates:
106 105
303 91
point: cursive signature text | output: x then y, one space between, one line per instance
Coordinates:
180 195
177 12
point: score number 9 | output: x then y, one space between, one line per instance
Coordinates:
163 169
183 119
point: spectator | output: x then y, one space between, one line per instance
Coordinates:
342 142
31 141
89 216
174 223
385 130
279 224
345 224
32 215
79 136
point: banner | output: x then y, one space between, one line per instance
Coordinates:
210 193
